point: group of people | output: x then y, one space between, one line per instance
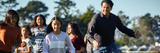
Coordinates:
38 35
45 38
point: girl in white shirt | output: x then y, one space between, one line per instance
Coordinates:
26 35
56 40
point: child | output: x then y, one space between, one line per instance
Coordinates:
76 37
38 29
56 39
26 35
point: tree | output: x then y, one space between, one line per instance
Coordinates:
85 18
7 5
33 8
64 8
65 12
156 27
125 19
148 26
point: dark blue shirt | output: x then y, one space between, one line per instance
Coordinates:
102 29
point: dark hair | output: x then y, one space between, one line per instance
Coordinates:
107 1
34 24
28 29
76 29
49 27
10 14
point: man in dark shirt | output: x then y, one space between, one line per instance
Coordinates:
102 27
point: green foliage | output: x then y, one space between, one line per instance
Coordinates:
85 18
125 41
125 19
149 27
65 12
7 5
33 8
64 8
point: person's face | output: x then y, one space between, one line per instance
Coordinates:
24 32
39 21
56 25
13 20
69 29
23 44
106 8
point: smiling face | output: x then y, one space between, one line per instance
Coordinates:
70 30
56 25
13 21
39 21
106 8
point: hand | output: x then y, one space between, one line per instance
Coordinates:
137 34
16 51
82 49
95 45
78 51
32 31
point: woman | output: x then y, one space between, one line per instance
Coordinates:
76 37
10 32
38 29
56 39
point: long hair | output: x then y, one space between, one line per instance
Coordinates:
49 28
11 14
34 24
28 29
76 29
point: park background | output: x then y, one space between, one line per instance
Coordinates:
142 15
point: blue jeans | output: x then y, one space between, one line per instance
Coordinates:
112 48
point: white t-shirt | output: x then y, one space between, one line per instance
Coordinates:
56 43
28 42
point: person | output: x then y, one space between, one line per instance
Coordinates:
22 48
26 35
88 43
76 37
10 32
38 29
102 27
56 39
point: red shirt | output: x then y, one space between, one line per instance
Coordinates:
78 42
8 35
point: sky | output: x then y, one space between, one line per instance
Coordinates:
131 8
